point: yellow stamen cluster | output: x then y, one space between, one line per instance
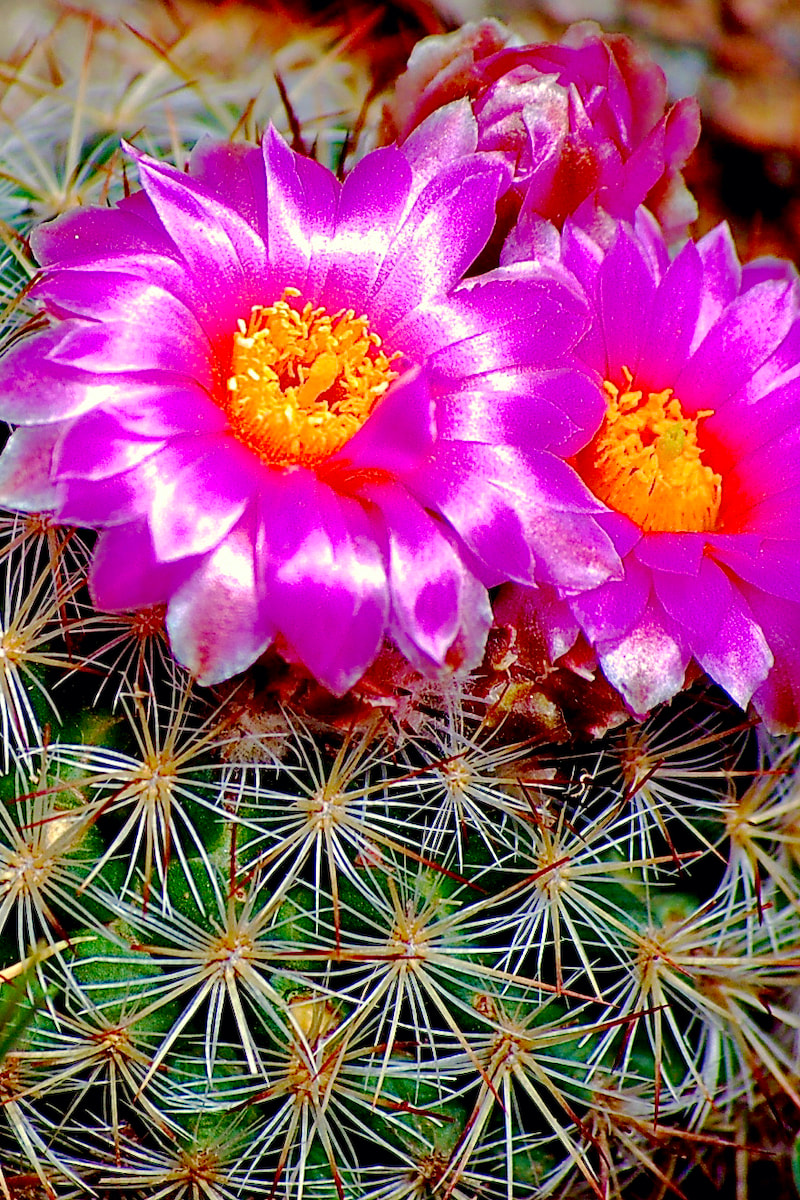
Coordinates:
303 381
645 462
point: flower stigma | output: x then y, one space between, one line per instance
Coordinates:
645 462
303 381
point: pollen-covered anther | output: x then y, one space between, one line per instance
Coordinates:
303 381
646 462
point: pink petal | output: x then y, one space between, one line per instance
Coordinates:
301 201
446 229
735 653
396 439
25 469
614 608
126 574
97 447
217 621
647 666
525 518
426 574
205 485
778 698
370 210
234 172
219 247
326 580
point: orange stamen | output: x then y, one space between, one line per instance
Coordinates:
303 381
645 462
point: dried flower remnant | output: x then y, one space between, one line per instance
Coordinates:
272 393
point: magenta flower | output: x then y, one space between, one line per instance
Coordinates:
698 360
289 417
584 123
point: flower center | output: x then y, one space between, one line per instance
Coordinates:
645 462
303 381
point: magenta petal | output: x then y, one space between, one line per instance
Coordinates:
112 501
779 270
525 519
747 332
772 516
301 201
126 574
25 469
115 296
447 134
697 602
217 244
326 583
647 666
206 483
531 318
35 390
522 606
769 470
679 552
96 447
397 437
235 173
771 565
735 653
624 534
87 236
725 639
625 291
672 321
214 313
632 180
147 296
122 346
778 698
772 395
217 621
446 229
721 278
558 411
426 575
611 610
370 209
167 409
466 653
466 650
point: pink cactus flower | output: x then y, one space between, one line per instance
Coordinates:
290 417
584 123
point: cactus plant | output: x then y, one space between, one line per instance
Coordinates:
459 920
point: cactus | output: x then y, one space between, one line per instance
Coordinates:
480 934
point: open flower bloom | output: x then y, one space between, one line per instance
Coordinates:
698 460
584 123
288 415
